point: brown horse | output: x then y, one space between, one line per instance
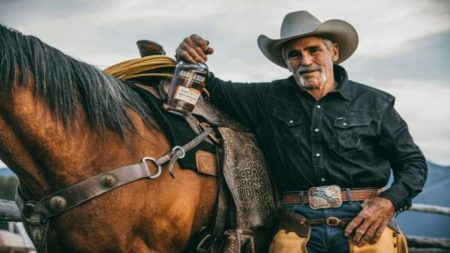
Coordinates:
63 121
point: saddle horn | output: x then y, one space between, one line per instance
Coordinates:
148 47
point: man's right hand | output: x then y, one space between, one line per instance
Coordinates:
194 49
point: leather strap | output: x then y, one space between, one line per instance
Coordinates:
36 214
330 221
356 195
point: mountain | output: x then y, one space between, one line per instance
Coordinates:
435 192
5 172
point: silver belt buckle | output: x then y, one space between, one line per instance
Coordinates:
328 196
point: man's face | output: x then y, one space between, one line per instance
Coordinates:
311 60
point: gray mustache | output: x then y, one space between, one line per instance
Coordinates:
306 69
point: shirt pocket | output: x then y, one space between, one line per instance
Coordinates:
349 133
289 127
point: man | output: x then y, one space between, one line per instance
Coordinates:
330 142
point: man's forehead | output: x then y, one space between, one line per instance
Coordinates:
304 42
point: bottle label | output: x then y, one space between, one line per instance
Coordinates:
191 77
188 95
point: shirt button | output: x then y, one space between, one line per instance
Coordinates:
318 106
323 179
316 130
317 154
291 121
344 124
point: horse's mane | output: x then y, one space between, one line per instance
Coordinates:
64 83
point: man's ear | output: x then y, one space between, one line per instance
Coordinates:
335 52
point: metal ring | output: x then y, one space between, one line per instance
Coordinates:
158 173
176 148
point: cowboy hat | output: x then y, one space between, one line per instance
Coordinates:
302 24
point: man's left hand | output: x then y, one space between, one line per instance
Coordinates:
370 223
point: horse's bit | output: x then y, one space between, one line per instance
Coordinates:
36 214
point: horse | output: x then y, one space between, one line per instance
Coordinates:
63 121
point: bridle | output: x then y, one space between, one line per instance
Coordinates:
36 214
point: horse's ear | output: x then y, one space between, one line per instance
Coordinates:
148 47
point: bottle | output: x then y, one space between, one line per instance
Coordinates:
186 87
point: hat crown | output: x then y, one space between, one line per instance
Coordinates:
299 22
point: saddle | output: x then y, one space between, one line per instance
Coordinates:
246 200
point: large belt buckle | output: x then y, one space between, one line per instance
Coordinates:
328 196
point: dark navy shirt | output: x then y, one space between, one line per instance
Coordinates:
351 137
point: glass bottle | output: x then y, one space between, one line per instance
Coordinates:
186 86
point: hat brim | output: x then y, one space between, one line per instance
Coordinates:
335 30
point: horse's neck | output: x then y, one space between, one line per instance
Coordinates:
41 150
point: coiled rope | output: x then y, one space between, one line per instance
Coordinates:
148 66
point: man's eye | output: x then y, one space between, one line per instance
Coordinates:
293 54
314 50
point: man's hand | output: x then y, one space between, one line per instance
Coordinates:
370 223
194 49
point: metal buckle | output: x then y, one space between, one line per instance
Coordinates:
179 148
333 221
328 196
158 166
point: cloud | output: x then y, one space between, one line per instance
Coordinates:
403 45
424 106
426 59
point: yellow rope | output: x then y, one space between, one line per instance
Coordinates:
149 66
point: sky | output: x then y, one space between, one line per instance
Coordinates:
403 44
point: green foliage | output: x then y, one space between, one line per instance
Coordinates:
8 187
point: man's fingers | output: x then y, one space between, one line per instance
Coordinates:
209 50
201 54
360 232
352 225
186 49
369 235
194 49
377 235
185 56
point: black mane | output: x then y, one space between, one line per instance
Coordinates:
65 83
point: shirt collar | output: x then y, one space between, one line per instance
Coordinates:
341 78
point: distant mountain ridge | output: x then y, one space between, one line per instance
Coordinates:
5 172
435 192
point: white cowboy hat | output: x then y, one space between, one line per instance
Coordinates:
302 24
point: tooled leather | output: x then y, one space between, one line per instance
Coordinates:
247 177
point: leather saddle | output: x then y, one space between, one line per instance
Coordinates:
246 199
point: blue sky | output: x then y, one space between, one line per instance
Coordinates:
403 47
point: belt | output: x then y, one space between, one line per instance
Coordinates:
347 195
330 221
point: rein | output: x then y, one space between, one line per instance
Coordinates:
36 214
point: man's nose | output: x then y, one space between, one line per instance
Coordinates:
306 60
